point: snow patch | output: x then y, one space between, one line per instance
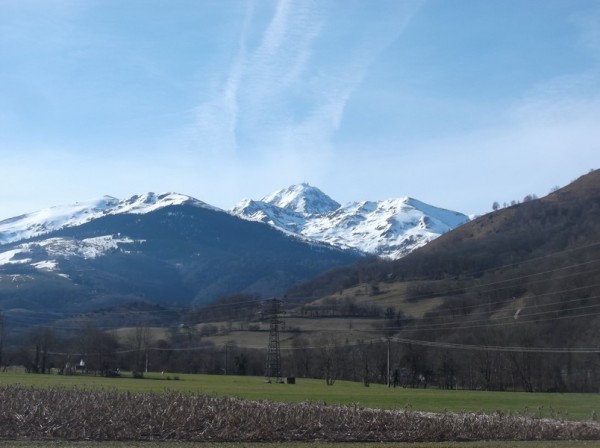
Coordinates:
52 248
87 248
8 257
46 265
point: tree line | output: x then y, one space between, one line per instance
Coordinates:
185 350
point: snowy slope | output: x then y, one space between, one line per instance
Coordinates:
288 209
45 254
391 228
283 219
55 218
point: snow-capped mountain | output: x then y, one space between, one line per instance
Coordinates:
166 249
45 254
302 198
54 218
390 228
171 248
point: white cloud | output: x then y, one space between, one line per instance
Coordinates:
283 94
589 31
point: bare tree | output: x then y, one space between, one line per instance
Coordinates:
302 358
140 350
331 361
99 348
43 338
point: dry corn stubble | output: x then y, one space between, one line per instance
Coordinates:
72 414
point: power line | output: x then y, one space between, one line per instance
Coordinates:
514 322
457 292
405 341
496 348
302 299
130 315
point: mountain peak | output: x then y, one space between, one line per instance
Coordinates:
302 198
148 202
390 228
54 218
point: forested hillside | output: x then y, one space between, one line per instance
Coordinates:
557 228
518 294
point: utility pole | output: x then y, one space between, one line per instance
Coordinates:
273 367
226 347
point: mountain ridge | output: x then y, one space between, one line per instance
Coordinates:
390 228
171 248
179 254
31 225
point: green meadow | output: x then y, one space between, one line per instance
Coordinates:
565 406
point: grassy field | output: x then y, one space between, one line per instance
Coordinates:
390 294
310 328
565 406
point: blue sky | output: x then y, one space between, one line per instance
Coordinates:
456 103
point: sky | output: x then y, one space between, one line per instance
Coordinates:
456 103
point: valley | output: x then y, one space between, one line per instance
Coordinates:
506 302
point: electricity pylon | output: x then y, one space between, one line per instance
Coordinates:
273 313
